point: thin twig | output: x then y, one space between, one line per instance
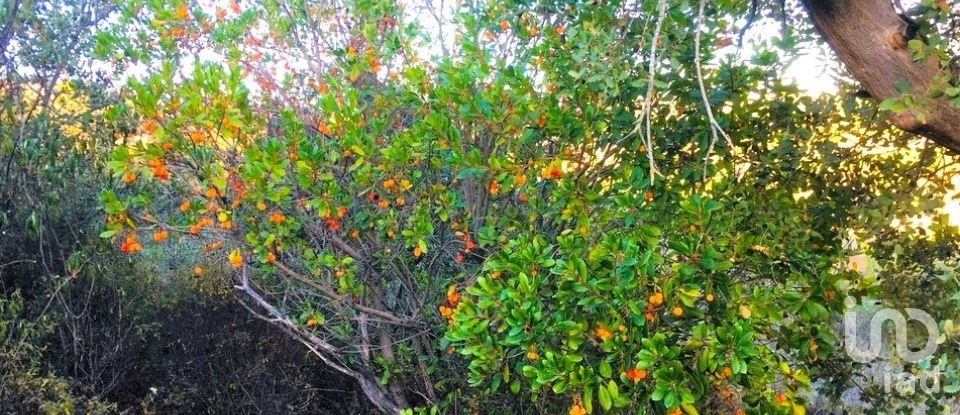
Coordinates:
651 78
714 126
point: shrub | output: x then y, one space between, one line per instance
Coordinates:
580 218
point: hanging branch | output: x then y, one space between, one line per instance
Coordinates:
714 126
648 101
754 6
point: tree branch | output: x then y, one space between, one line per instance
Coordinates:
869 38
334 297
318 346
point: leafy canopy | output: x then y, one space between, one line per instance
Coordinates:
587 204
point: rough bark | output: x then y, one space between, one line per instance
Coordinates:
868 36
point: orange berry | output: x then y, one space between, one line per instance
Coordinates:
417 252
452 295
603 333
130 245
504 25
276 218
129 177
576 409
160 172
635 375
494 187
532 352
197 271
710 298
333 224
726 393
182 13
677 312
150 126
323 128
160 235
236 258
552 172
656 299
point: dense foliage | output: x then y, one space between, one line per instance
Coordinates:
566 206
82 329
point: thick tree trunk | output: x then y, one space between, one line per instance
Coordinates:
869 38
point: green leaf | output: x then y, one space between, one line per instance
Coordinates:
689 409
605 369
588 399
613 389
604 395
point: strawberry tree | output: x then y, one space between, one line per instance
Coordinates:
351 186
573 203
